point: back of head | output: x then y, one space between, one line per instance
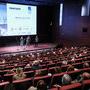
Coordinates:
19 70
86 75
41 85
32 88
86 65
66 79
70 68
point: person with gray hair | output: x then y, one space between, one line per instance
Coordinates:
66 79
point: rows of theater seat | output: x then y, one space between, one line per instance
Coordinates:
53 65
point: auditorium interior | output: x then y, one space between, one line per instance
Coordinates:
44 44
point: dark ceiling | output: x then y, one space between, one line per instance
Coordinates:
42 2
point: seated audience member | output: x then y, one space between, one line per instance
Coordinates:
83 76
64 62
28 66
58 70
86 65
73 60
71 68
66 79
3 61
19 74
86 75
35 65
37 72
32 88
41 85
2 67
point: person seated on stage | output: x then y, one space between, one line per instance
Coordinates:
35 65
19 74
66 79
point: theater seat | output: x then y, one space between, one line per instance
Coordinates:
75 86
29 74
3 84
46 78
86 84
23 84
56 79
54 89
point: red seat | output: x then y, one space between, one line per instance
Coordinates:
29 74
74 74
53 89
47 80
56 79
75 86
2 85
23 84
86 84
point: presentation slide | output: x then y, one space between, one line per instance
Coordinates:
16 19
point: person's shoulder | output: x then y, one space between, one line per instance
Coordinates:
32 88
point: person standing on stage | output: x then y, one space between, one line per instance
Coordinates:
28 40
21 41
36 41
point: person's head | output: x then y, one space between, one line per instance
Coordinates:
64 62
19 70
86 75
70 68
35 62
38 72
85 65
66 79
41 85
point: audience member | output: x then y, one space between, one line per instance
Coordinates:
66 79
41 85
19 74
35 65
32 88
28 65
70 68
83 76
85 65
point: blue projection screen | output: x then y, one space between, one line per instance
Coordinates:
16 19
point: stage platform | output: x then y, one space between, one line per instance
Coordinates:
19 49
